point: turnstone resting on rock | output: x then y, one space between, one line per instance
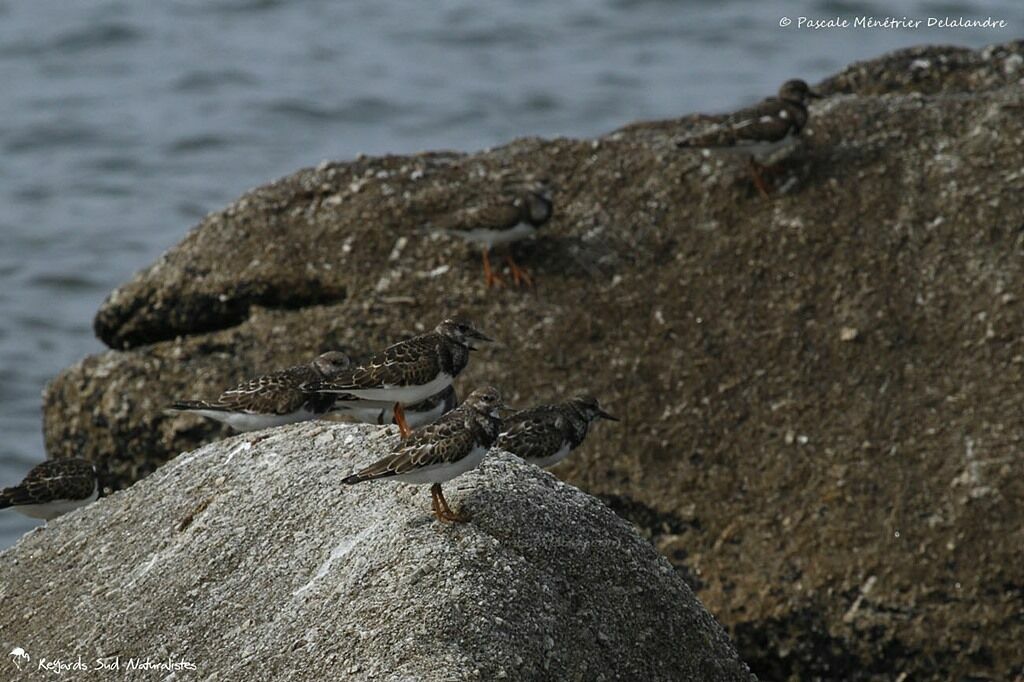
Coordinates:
453 445
504 218
382 412
546 434
762 131
53 488
272 399
409 371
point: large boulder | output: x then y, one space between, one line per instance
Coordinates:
817 391
250 558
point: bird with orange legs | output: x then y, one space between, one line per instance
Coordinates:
763 132
438 452
408 372
510 215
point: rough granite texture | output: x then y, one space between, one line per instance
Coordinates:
248 558
819 392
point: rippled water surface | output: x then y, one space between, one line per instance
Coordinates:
122 123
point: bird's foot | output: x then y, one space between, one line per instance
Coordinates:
442 511
448 516
757 173
519 276
491 278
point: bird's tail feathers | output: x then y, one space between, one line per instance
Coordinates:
190 405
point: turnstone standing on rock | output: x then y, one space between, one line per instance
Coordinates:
453 445
502 219
763 131
272 399
409 371
546 434
382 412
53 488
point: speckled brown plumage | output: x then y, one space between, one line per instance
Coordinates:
499 212
413 362
509 215
546 434
454 436
771 120
278 393
51 481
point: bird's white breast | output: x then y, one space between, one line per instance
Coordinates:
552 460
383 412
491 238
407 395
51 510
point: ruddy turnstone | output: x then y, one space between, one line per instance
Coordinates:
762 131
451 446
52 488
409 371
382 412
506 217
546 434
272 399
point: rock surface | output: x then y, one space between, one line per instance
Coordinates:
247 558
818 391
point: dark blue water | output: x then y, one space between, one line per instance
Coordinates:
122 123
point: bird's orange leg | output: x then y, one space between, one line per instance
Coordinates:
519 276
446 514
755 173
434 504
403 426
490 276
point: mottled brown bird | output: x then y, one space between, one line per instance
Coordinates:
505 217
52 488
409 371
761 131
450 447
272 399
546 434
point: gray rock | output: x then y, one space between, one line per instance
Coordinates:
249 558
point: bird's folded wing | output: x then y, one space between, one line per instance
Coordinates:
768 121
532 436
500 213
411 362
279 393
437 444
53 480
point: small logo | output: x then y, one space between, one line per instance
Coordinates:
19 655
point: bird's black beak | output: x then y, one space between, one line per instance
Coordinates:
604 415
474 334
814 94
